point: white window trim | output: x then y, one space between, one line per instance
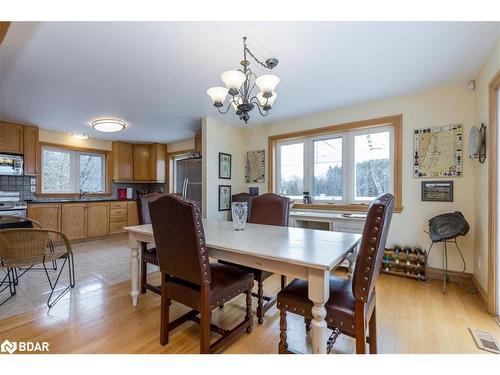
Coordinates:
74 169
348 159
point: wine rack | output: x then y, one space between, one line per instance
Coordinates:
407 261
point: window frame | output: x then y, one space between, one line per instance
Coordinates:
75 153
348 131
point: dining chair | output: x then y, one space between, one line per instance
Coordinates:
147 255
351 307
26 247
189 278
268 209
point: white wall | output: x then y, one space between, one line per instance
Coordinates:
219 137
436 107
480 228
61 138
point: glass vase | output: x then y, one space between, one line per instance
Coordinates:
239 211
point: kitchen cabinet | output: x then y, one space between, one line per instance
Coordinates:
11 138
158 162
133 218
85 220
31 150
139 162
48 215
123 161
74 220
118 217
97 219
142 163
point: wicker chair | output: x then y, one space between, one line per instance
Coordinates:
26 247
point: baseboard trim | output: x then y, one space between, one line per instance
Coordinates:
481 291
453 276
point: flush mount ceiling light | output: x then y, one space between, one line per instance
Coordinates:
108 125
241 83
79 135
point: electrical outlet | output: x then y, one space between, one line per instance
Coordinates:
33 181
33 189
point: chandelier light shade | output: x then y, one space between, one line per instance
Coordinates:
108 125
241 84
267 83
233 79
218 95
266 101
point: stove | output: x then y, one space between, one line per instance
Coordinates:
11 204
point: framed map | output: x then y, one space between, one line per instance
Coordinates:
438 151
255 163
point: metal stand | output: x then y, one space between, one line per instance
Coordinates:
445 260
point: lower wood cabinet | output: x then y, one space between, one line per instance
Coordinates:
84 220
48 215
97 219
74 220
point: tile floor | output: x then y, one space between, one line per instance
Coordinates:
98 264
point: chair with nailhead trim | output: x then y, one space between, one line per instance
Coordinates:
189 278
351 306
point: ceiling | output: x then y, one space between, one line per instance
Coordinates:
154 75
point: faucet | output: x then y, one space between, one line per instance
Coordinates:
82 193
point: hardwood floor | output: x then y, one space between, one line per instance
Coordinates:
413 317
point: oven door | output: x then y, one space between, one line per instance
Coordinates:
17 213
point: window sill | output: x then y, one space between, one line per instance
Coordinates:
337 207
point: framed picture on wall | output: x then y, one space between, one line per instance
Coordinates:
255 164
224 166
437 191
224 197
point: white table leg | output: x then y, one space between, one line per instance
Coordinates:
318 293
134 267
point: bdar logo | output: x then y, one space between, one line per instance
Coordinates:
8 347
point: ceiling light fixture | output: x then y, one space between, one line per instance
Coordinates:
108 125
241 83
79 135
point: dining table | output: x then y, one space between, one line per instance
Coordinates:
297 253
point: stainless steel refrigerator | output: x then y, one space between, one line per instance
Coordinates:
188 178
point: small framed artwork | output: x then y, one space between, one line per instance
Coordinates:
224 197
224 166
437 191
253 191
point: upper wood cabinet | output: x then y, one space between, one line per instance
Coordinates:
31 150
142 163
139 162
123 161
11 137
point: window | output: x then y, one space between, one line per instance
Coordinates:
347 164
71 171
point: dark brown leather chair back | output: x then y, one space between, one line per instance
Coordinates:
270 209
244 197
143 206
180 239
371 249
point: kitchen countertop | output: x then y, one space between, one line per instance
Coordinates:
77 200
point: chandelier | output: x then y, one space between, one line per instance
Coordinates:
240 84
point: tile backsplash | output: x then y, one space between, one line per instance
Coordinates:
21 184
